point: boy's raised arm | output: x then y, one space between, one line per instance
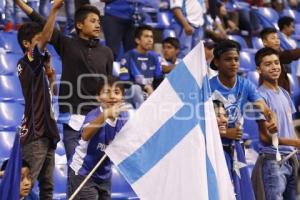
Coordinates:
49 26
27 9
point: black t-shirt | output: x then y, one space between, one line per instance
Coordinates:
84 62
38 120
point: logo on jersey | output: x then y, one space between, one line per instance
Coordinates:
101 147
23 128
20 69
143 66
123 61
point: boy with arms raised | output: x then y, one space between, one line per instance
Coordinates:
38 131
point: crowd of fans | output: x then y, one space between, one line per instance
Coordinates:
129 41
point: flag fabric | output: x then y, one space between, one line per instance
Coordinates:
10 184
171 148
240 174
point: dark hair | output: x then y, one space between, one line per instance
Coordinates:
285 21
110 81
267 31
218 104
222 47
260 54
27 31
139 30
173 41
4 164
82 13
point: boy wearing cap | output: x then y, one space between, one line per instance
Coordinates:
235 92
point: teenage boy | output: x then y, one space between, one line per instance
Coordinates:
171 47
84 62
287 28
141 67
100 127
270 39
235 91
38 131
273 179
221 116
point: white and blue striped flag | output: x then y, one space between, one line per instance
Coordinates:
171 147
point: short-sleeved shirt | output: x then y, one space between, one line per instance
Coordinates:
281 104
88 153
38 120
234 99
120 8
134 64
192 9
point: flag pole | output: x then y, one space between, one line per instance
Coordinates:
88 177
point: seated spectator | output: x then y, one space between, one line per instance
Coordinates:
270 39
26 182
171 47
228 25
141 67
287 27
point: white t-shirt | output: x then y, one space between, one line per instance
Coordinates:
192 9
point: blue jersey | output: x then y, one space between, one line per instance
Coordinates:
134 65
88 153
234 99
119 8
281 104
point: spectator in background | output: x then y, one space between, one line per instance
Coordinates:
270 39
38 130
188 23
227 24
26 182
141 67
208 49
118 25
12 16
287 27
171 47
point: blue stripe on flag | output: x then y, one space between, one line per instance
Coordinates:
170 134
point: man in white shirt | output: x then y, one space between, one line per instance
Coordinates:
188 23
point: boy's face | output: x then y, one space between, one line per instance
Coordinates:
222 119
29 45
110 95
145 41
169 51
26 182
90 28
289 30
269 68
228 64
272 41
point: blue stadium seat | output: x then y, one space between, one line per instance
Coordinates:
10 115
253 76
10 42
247 62
52 51
116 69
10 88
6 143
60 181
168 33
257 43
163 20
120 188
291 13
8 62
238 39
297 29
267 16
